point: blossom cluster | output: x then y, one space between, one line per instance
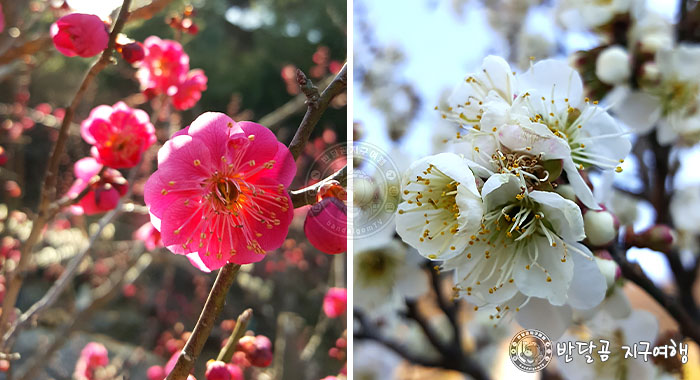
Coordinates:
165 70
503 205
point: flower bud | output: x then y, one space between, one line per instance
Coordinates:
613 65
79 34
133 52
216 370
335 302
566 191
257 349
326 225
155 372
659 237
600 227
607 266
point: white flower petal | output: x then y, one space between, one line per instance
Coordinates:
639 111
500 189
541 315
563 214
588 286
553 79
530 266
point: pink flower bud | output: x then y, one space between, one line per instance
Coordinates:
216 370
659 237
105 190
79 34
257 349
133 52
326 225
335 302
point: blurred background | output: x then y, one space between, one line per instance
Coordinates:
249 50
407 60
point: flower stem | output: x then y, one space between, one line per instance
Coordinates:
200 334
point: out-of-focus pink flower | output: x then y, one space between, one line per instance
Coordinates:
216 370
335 302
155 372
149 235
190 91
235 371
326 225
219 194
257 349
105 192
3 156
133 52
330 378
94 355
2 19
164 66
79 34
119 134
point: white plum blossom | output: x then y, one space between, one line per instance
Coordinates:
542 114
671 102
527 249
384 274
584 14
442 207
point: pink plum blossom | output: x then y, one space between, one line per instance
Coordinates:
335 302
149 235
93 356
105 190
190 91
79 34
164 66
2 19
218 370
219 194
119 134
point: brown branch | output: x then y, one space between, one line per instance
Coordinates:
15 278
28 48
296 105
634 273
202 329
226 353
307 195
316 106
103 295
149 10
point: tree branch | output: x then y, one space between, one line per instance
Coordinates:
307 195
226 353
49 187
202 329
316 106
634 273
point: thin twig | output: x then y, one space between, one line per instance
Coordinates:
15 279
138 263
316 106
226 353
307 195
202 329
